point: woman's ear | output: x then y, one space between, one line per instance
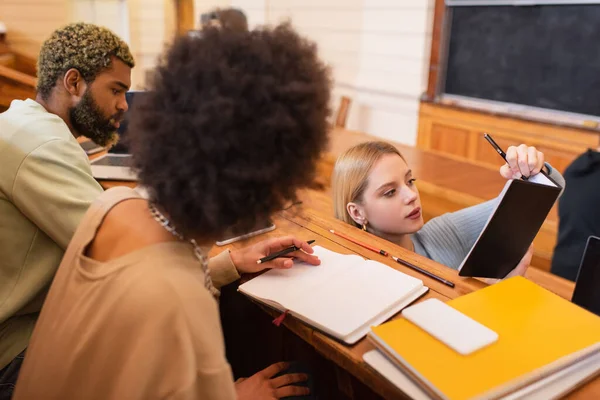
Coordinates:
357 213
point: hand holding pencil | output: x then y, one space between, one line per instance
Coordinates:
245 260
521 161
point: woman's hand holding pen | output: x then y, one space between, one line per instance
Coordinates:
245 259
522 161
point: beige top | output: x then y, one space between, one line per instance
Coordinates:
46 186
141 326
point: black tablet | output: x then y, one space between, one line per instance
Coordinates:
587 286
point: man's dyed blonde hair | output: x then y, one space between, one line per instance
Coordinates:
86 47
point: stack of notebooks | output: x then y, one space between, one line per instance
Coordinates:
535 345
343 297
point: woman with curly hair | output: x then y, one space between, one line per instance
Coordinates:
233 126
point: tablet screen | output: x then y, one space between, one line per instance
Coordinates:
587 287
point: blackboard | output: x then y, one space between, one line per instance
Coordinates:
543 56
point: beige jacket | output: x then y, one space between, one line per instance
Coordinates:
46 186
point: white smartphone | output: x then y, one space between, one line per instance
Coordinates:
231 237
451 327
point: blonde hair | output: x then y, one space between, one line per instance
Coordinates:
351 172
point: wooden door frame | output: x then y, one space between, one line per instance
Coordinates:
184 16
436 58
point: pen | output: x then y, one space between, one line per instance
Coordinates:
498 150
281 253
366 246
424 272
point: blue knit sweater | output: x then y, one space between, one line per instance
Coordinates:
448 238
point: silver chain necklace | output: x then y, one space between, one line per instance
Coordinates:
168 225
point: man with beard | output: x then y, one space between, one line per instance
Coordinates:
46 185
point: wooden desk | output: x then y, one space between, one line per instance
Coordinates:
313 219
307 223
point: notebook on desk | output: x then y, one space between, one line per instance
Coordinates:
540 335
555 386
519 214
343 297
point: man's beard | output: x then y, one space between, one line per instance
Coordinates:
88 120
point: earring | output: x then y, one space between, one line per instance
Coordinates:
364 226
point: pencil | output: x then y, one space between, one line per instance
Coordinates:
499 150
366 246
281 253
424 272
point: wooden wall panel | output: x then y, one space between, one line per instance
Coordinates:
486 153
449 139
459 133
30 22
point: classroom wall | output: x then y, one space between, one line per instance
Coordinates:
29 22
146 25
378 49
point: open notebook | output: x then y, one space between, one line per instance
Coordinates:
343 297
520 212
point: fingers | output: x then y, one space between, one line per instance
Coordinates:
305 254
491 281
541 161
512 160
288 391
521 268
288 262
279 263
277 244
274 369
506 172
523 160
533 160
288 379
308 258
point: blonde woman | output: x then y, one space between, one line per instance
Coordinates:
374 189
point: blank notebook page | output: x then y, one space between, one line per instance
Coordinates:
340 295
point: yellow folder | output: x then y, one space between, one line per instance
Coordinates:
539 332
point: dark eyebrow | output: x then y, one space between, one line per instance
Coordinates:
409 172
119 83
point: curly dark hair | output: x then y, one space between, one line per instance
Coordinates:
86 47
233 125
